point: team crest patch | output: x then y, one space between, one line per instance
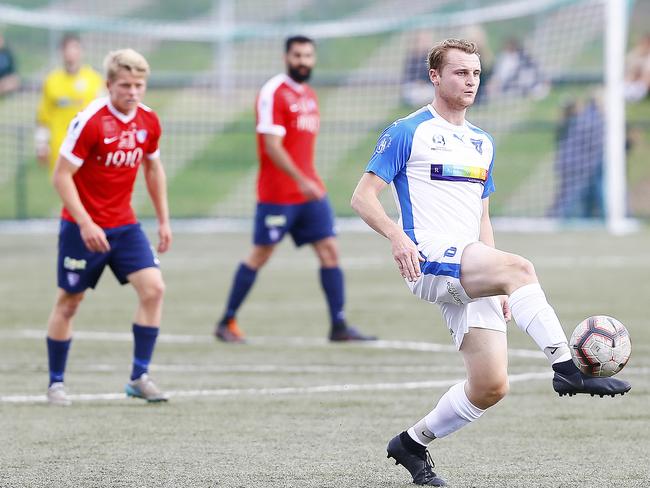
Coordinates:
382 144
73 278
141 135
478 145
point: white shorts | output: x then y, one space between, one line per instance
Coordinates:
440 283
482 313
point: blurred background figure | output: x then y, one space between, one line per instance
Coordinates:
9 80
417 89
516 73
637 71
579 161
66 91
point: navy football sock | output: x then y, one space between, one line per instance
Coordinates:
241 285
144 340
332 281
57 354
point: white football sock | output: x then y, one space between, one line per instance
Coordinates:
537 318
453 411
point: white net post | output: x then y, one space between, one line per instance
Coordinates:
615 185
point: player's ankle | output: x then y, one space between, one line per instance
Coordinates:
565 367
410 445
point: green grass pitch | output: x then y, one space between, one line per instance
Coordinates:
290 410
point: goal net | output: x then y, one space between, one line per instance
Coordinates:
543 93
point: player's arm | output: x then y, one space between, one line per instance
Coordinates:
93 235
154 175
486 234
365 202
282 159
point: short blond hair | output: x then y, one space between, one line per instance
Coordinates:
127 59
438 53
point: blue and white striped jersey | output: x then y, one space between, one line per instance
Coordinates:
439 172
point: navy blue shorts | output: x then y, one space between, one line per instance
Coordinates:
79 268
305 222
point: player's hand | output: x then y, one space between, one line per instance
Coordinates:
164 237
505 307
406 255
94 237
310 189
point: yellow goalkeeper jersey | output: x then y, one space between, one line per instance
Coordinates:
64 95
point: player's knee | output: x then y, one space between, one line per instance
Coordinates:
153 292
259 257
328 253
68 303
521 271
489 393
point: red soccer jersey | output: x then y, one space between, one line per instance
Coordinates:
289 109
108 147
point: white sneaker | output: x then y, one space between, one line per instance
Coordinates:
145 388
56 395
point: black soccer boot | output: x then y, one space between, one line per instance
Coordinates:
343 332
415 458
569 380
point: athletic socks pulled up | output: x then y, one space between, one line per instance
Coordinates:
241 285
57 354
144 341
334 288
453 412
537 318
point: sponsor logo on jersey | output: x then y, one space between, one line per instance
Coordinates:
110 140
129 159
308 122
73 264
478 145
461 137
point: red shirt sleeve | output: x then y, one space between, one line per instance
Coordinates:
153 150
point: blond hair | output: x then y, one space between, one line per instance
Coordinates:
437 55
127 59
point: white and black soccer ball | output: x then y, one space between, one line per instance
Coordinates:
600 346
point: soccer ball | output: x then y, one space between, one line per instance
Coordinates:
600 346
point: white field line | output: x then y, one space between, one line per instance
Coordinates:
291 390
254 368
260 341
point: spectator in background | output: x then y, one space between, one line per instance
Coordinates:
637 71
417 89
515 72
9 80
579 162
66 91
